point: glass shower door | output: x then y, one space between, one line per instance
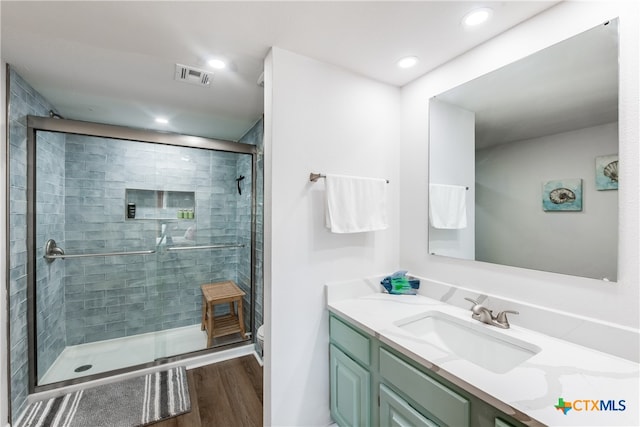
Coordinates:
126 234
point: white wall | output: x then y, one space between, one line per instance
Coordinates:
513 229
617 303
318 118
453 163
4 400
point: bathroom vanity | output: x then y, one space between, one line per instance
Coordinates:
413 360
365 371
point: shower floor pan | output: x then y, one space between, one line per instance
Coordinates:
103 356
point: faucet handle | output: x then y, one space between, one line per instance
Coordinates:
472 301
502 317
479 311
477 308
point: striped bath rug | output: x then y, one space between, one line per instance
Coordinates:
133 402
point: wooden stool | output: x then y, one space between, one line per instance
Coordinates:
221 293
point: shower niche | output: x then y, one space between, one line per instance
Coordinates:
159 204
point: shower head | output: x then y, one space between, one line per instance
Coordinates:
55 115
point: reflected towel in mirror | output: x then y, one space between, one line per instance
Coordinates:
447 206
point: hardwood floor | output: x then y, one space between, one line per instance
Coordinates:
225 394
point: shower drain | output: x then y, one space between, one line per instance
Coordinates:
83 368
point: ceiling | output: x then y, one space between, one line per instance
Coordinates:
114 62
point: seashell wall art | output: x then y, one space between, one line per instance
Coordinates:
607 172
562 195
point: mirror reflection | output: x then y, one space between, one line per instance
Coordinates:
523 161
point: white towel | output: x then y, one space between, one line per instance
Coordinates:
355 204
448 206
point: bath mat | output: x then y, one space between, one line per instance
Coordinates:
133 402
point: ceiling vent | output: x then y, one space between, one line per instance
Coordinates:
193 75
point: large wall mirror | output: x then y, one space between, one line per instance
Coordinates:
523 161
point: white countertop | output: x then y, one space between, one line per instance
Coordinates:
560 370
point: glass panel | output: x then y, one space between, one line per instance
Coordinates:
99 313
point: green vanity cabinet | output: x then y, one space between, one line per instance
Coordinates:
395 411
501 423
351 341
375 385
349 360
437 400
350 390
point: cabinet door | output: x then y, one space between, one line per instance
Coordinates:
395 412
443 403
350 390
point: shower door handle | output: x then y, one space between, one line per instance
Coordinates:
186 248
53 252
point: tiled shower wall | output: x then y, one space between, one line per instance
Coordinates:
112 297
23 101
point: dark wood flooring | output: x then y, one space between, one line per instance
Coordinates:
225 394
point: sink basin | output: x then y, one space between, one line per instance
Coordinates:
475 342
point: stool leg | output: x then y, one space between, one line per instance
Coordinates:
210 331
232 309
240 320
204 313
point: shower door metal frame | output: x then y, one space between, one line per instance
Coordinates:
35 124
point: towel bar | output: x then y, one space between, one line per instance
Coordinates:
313 177
53 252
466 188
187 248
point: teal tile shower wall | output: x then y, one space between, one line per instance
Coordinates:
24 101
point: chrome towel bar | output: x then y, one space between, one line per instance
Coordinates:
187 248
313 177
52 252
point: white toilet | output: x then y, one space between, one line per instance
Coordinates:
260 336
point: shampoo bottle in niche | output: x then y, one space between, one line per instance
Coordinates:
131 210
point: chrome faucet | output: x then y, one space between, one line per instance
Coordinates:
484 315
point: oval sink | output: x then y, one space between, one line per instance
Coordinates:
469 340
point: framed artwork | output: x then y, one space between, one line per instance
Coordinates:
607 172
562 195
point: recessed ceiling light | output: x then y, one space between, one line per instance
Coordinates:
407 62
162 120
218 64
477 16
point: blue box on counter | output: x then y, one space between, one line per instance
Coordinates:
401 284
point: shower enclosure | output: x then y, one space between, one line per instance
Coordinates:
125 225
